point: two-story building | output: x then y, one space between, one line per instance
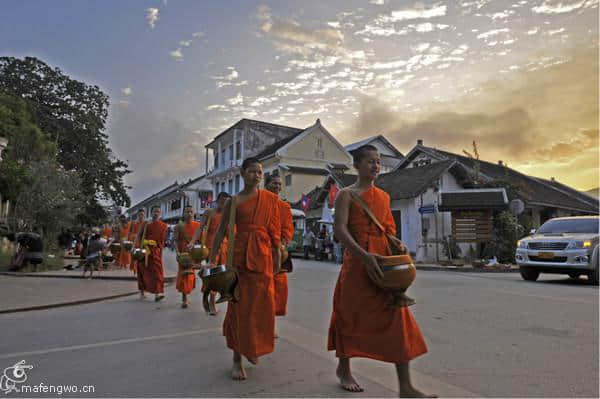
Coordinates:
390 156
173 198
301 157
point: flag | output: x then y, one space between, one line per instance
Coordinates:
333 190
305 202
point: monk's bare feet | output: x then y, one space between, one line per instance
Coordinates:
347 381
238 372
412 392
253 360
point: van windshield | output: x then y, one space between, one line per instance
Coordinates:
589 226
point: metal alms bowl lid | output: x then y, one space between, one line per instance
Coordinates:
214 270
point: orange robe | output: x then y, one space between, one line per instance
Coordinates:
186 283
249 325
124 258
281 279
213 226
107 233
151 277
136 227
361 325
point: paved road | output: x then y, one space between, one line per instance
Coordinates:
488 335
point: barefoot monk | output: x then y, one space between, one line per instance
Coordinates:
362 325
249 325
273 184
184 232
210 224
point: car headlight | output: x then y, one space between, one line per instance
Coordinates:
522 244
579 245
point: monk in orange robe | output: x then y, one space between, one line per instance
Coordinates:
249 325
361 323
134 233
124 257
273 184
107 232
151 276
184 232
210 224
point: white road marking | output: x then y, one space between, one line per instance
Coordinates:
108 343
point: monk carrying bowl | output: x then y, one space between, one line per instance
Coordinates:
139 254
199 252
399 272
127 246
219 279
185 260
115 248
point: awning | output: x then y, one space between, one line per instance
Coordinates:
486 198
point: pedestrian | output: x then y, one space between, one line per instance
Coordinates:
153 275
337 249
210 224
249 325
361 324
273 184
307 241
182 235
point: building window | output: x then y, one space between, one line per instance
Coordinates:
230 186
237 184
288 180
176 204
238 150
216 159
231 152
319 142
223 157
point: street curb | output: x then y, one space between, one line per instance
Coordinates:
100 277
466 269
71 303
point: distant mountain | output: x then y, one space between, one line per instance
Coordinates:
593 192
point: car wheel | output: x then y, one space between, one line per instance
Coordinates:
529 274
595 261
574 275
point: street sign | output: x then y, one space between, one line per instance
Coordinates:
430 208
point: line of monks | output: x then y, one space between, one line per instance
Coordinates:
361 324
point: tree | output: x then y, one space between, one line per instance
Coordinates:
73 114
45 196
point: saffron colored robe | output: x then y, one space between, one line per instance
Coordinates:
361 325
152 275
249 325
124 258
211 232
186 283
281 279
107 233
135 230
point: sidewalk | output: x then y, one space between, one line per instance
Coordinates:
36 293
468 268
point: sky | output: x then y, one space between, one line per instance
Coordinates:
520 77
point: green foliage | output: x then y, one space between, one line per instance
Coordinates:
507 231
73 115
44 196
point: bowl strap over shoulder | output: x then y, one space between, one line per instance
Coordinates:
395 250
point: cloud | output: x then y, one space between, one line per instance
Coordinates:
516 119
377 2
418 13
127 91
492 32
138 133
554 7
185 43
198 34
386 24
152 16
177 54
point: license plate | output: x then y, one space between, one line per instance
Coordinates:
546 255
